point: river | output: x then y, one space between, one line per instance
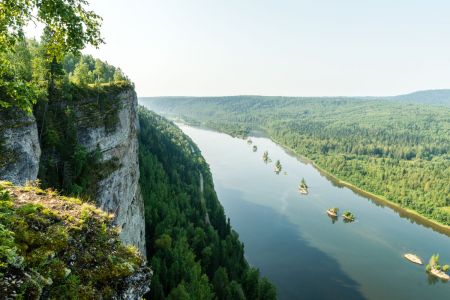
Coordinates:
293 242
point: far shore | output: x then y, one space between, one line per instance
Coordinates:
402 211
409 213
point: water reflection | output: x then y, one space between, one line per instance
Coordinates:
413 218
273 244
307 256
333 218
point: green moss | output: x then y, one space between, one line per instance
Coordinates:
60 247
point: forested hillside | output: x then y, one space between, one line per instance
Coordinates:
192 248
397 148
435 97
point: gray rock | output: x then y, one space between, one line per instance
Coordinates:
119 193
19 146
136 285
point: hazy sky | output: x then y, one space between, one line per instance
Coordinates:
278 47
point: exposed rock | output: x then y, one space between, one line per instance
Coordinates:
118 193
136 285
19 147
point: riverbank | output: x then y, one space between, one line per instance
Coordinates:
409 213
402 211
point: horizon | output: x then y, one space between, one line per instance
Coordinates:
301 96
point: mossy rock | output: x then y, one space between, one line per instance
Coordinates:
60 248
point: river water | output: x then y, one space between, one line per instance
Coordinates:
293 242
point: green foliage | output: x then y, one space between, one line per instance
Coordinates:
334 210
445 268
194 252
59 247
89 71
278 165
394 147
303 183
434 260
348 216
68 108
64 109
71 24
69 27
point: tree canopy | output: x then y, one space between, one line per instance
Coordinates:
192 256
69 27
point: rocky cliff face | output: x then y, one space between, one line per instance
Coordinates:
118 193
19 147
109 125
106 123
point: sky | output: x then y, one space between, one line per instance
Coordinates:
277 47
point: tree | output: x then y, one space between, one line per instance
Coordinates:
235 291
303 184
119 75
71 26
434 260
251 283
266 156
445 268
82 75
100 71
220 283
266 290
179 293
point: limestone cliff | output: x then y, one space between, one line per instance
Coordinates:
106 123
116 139
19 147
102 122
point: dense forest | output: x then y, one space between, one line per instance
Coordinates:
193 250
396 147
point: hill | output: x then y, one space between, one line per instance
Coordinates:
193 250
434 97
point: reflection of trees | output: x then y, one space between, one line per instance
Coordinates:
432 280
333 218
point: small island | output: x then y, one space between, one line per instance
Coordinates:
303 187
333 212
266 156
435 269
278 167
348 216
255 148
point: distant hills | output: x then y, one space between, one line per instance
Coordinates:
433 97
426 97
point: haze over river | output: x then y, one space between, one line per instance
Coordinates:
293 242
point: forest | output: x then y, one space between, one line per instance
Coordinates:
193 251
395 147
